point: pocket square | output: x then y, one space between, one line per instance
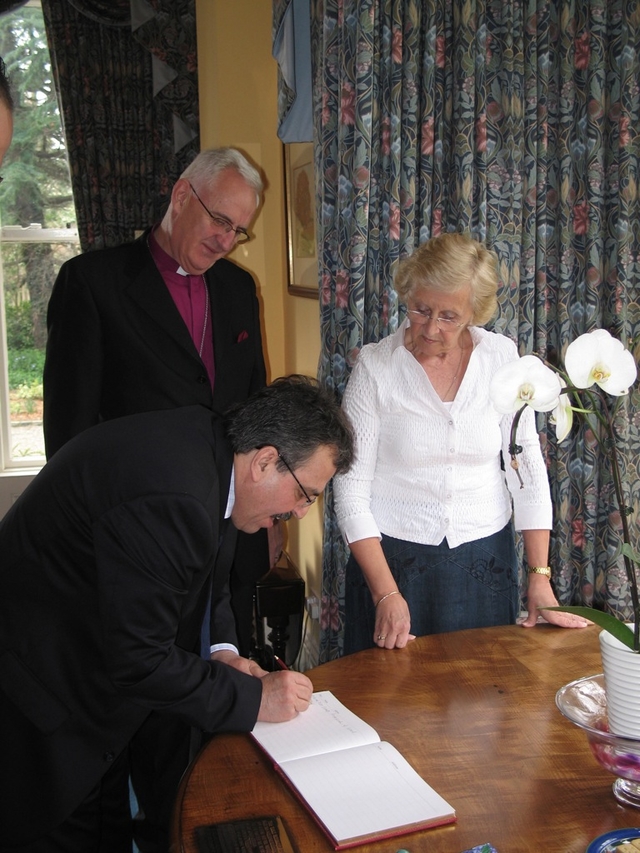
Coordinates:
242 336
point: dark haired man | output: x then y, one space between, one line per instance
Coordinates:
108 559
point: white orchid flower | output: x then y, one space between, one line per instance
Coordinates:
562 417
527 380
598 357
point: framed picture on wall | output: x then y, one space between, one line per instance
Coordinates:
299 180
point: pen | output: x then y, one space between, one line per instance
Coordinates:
280 663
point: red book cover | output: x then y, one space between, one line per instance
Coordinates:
357 788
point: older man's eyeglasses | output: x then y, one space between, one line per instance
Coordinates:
223 225
309 500
423 315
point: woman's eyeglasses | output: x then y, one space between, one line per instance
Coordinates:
423 315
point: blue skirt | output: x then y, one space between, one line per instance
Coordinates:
447 589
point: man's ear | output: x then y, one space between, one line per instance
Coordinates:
263 459
180 193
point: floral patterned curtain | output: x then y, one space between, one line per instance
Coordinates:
517 121
129 98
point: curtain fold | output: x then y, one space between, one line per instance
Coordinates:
518 122
126 146
112 13
292 50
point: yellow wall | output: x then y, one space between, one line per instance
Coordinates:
238 97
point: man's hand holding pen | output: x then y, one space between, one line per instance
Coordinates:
285 693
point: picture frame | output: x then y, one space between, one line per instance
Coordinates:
299 186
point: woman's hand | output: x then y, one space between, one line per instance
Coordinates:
540 594
392 623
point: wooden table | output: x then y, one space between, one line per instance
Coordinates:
474 713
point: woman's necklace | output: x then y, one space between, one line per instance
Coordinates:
446 393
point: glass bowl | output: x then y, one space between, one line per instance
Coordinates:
584 703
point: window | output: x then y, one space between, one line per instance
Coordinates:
41 251
38 233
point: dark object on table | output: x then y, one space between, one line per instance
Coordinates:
255 835
279 598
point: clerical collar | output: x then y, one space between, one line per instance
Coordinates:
163 260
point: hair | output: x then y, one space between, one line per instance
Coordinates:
207 165
5 90
447 263
296 415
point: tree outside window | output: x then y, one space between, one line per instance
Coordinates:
38 222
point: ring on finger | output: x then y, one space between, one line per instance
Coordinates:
382 636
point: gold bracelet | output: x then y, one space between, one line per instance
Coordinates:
540 570
380 600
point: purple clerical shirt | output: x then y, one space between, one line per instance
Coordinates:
189 292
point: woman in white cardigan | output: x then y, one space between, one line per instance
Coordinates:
428 509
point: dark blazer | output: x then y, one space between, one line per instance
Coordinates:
117 344
106 563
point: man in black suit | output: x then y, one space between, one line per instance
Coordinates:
165 321
108 560
161 322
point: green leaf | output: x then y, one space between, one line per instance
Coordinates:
610 623
628 551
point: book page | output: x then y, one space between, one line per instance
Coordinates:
367 790
325 726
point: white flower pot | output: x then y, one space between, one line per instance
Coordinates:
621 667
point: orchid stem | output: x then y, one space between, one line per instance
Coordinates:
514 448
617 482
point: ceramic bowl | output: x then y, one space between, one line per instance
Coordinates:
616 841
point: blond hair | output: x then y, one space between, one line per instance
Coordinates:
448 263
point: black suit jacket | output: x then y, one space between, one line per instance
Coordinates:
107 560
117 344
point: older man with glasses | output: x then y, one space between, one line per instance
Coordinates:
163 322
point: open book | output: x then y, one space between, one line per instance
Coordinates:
356 787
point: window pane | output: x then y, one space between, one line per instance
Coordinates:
28 256
36 189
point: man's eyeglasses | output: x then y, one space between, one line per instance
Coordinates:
222 224
420 315
308 499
